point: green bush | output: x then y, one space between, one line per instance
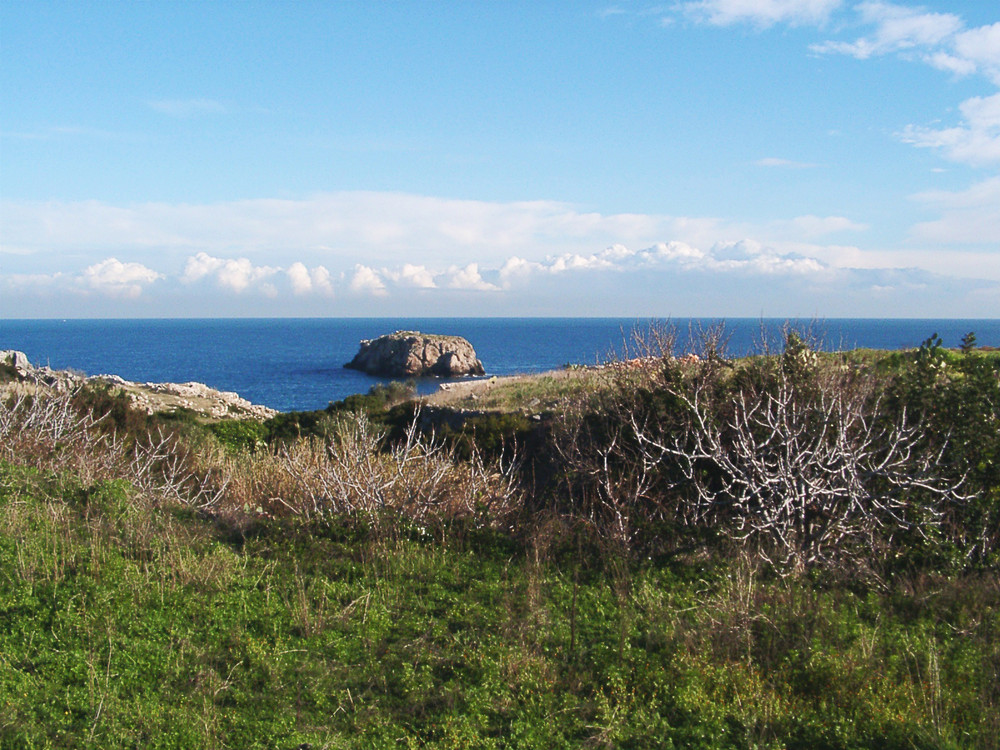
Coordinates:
240 435
383 405
492 435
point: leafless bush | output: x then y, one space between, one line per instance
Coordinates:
44 429
807 463
613 483
419 478
161 466
354 473
793 453
608 476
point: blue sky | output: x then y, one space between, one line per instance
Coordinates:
719 158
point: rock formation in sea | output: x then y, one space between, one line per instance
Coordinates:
17 373
408 353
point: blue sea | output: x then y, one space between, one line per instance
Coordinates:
297 364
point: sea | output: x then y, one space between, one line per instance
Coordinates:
294 364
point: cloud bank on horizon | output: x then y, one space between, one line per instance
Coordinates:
772 221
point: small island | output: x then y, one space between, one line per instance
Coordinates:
411 353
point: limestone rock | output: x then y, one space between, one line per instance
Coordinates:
407 353
16 360
148 397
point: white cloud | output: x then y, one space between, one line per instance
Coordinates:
939 39
511 243
307 281
617 277
379 227
750 256
616 257
740 251
236 274
577 262
182 108
761 13
612 10
299 276
17 280
951 63
336 230
971 216
468 278
241 273
786 163
817 226
367 281
981 48
199 266
117 279
672 251
517 268
898 28
417 277
742 256
976 141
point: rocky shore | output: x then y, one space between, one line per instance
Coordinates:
18 374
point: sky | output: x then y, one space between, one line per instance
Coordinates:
709 158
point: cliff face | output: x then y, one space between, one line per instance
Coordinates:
407 353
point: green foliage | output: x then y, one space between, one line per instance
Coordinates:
294 425
240 435
383 405
112 407
799 358
125 629
490 435
379 398
958 399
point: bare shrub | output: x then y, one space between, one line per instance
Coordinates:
162 466
418 479
800 458
794 453
609 478
45 430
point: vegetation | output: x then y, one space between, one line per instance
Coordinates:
794 550
533 393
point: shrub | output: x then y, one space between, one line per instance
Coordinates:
802 456
240 435
489 435
357 473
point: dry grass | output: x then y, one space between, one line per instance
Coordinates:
524 393
354 473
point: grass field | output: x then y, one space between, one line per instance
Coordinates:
125 625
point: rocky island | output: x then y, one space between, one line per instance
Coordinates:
411 353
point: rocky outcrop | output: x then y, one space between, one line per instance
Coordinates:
408 353
151 398
16 362
15 369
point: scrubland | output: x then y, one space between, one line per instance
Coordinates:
791 550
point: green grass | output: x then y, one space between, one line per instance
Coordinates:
126 625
